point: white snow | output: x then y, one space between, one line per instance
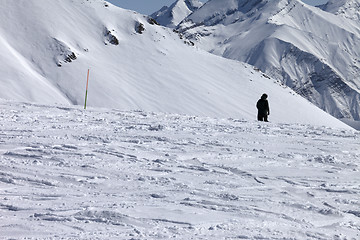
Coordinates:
178 11
309 50
346 8
152 71
168 146
69 173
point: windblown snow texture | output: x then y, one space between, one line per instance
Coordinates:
67 173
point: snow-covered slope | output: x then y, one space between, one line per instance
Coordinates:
66 173
346 8
312 51
178 11
48 46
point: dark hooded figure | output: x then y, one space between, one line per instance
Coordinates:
263 108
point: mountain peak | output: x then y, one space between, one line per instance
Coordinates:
229 11
346 8
173 15
193 4
309 50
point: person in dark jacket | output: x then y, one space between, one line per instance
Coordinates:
263 108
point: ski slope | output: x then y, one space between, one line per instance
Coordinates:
168 147
67 173
47 48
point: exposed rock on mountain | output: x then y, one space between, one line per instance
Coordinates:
310 50
173 15
151 71
346 8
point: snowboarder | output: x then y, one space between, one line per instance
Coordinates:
263 108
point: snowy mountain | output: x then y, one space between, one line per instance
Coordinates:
345 8
178 11
312 51
168 147
67 173
47 47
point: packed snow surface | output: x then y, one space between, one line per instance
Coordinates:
69 173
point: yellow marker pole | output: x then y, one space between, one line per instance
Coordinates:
87 85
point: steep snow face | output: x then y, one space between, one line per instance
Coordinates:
173 15
48 46
346 8
312 51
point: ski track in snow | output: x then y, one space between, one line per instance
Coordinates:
67 173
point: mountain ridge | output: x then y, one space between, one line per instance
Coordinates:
275 36
173 15
345 8
134 64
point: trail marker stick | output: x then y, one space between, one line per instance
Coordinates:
87 85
